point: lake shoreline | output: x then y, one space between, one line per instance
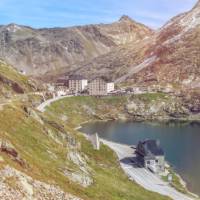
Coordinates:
182 181
157 186
165 120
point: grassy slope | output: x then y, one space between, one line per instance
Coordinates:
46 158
10 74
80 109
43 154
75 110
110 181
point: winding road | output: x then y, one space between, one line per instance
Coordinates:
43 106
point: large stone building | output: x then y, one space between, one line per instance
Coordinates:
77 83
100 87
151 156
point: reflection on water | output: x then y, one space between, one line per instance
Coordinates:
180 140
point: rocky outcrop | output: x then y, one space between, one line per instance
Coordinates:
17 185
81 176
160 109
15 86
9 149
33 114
191 100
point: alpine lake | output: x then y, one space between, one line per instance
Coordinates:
179 140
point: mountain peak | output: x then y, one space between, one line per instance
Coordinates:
125 18
13 27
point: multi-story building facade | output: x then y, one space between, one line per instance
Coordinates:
100 87
77 83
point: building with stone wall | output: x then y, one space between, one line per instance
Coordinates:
151 156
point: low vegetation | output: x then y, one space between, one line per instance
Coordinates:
76 110
148 97
176 182
43 142
12 82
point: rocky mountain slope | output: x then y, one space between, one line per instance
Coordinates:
125 51
38 51
171 55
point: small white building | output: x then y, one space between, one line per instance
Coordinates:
110 87
84 84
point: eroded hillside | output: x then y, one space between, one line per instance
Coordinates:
52 51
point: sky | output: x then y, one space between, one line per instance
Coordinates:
64 13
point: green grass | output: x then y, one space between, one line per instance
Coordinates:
176 182
110 181
148 97
9 73
33 143
81 109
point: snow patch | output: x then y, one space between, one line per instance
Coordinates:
13 28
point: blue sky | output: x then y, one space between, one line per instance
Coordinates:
62 13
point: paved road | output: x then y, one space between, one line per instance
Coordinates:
43 106
142 176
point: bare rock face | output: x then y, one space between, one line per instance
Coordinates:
161 108
38 51
9 149
17 185
81 176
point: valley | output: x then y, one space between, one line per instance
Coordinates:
54 80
